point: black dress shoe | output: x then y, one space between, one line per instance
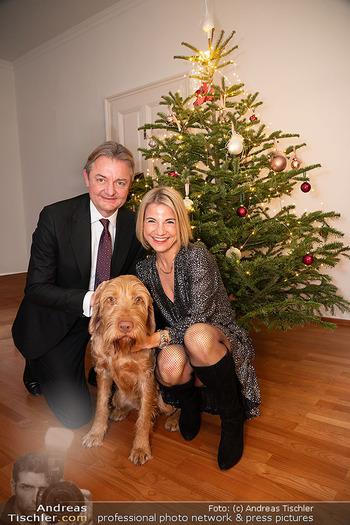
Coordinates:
92 377
33 387
31 384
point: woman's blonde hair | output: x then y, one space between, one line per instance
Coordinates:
173 199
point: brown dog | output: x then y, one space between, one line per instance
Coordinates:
123 316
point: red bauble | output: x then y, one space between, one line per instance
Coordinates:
242 211
173 174
305 187
308 259
253 118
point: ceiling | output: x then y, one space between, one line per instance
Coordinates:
26 24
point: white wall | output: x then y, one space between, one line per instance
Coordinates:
12 233
295 54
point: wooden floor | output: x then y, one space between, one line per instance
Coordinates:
298 450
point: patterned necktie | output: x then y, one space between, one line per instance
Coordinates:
104 255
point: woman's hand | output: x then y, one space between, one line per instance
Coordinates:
151 341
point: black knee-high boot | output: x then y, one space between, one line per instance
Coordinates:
221 380
188 398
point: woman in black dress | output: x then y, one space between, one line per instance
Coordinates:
202 344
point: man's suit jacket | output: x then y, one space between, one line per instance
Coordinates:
59 272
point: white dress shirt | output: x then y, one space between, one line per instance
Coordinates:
96 230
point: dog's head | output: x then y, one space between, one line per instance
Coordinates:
122 312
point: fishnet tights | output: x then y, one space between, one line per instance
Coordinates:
173 366
205 345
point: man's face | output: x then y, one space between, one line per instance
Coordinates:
109 182
26 490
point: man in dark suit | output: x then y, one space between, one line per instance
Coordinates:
51 326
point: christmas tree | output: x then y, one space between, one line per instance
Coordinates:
217 152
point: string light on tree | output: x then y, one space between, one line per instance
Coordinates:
222 147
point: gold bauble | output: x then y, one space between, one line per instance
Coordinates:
278 162
233 252
295 163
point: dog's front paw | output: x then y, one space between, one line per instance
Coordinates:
118 414
93 439
172 423
139 456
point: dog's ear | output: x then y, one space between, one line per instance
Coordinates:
95 318
151 324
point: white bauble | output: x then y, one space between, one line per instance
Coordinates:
208 23
188 204
235 144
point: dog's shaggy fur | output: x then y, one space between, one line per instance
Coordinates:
123 316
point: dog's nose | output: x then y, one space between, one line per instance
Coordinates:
125 326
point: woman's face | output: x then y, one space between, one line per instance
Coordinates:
160 229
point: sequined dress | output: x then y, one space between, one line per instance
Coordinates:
200 297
